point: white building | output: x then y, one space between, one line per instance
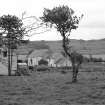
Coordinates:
36 56
54 59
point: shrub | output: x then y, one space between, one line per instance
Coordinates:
43 62
22 71
43 68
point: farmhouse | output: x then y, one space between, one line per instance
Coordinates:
54 59
37 55
63 62
4 58
60 60
19 54
33 56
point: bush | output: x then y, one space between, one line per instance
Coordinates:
43 62
43 68
31 68
63 72
22 71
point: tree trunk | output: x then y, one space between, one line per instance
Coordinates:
9 63
9 55
65 45
74 66
75 72
74 77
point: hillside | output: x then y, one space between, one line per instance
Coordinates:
84 47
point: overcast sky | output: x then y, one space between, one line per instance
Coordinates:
92 26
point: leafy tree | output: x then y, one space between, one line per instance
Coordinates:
64 20
11 28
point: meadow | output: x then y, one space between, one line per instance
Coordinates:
55 88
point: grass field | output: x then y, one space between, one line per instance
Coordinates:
55 88
94 47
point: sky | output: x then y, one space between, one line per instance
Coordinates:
92 26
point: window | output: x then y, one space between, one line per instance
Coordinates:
4 53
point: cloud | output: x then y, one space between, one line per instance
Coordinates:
94 24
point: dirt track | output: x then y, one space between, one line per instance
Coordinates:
53 89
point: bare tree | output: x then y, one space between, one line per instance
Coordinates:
64 20
33 25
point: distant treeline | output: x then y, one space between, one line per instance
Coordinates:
93 59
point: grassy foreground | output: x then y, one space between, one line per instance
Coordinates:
53 88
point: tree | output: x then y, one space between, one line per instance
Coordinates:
64 20
76 60
12 31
